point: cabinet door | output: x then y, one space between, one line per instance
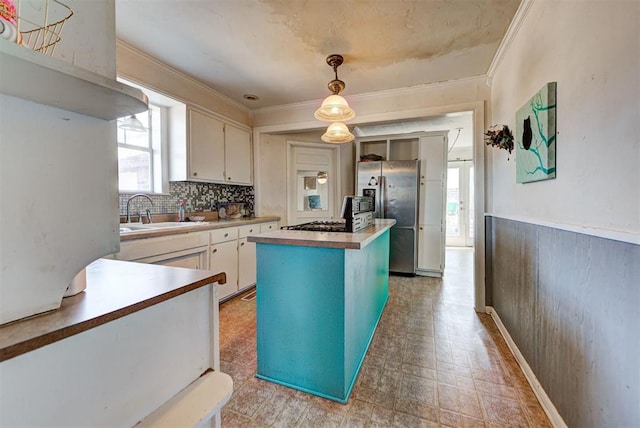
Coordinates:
246 263
224 258
206 147
430 248
431 210
237 155
433 151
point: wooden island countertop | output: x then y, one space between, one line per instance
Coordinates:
114 289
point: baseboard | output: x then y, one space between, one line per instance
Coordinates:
431 273
543 398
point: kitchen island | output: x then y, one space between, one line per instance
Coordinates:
320 296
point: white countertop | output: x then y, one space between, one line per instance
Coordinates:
353 241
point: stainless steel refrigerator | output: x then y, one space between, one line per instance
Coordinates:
395 188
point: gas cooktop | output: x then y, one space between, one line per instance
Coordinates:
319 226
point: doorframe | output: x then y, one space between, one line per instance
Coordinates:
464 166
291 144
478 110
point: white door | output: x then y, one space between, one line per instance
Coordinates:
459 213
311 184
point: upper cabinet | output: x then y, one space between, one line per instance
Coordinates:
203 147
237 155
206 147
398 147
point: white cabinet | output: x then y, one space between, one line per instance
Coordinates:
392 147
268 227
223 257
237 155
431 192
203 147
247 256
184 250
246 263
220 250
206 146
430 254
431 212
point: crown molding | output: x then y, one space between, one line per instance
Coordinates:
511 33
409 90
181 75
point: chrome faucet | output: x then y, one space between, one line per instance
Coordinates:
129 201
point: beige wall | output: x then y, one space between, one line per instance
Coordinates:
271 191
598 149
138 67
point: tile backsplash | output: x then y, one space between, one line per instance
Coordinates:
197 197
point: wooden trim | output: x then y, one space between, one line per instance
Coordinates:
616 235
548 407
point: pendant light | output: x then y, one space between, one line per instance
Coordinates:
337 132
132 123
335 108
322 177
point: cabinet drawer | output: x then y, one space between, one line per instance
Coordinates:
223 235
150 247
268 227
252 229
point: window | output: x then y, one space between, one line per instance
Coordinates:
137 152
142 156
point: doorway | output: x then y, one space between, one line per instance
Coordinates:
460 212
311 182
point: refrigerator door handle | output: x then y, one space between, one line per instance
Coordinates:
383 194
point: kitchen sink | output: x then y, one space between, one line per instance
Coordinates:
132 227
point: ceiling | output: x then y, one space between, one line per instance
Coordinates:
276 49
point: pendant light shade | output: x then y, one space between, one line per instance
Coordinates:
338 133
132 124
334 108
322 177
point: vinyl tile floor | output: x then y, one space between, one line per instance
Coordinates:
433 362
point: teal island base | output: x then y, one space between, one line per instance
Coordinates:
317 311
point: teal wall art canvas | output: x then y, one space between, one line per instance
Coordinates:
536 137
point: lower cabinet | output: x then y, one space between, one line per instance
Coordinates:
430 251
185 250
247 256
223 257
219 250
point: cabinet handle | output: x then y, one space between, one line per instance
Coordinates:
229 178
226 234
420 227
195 174
242 244
215 250
250 230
